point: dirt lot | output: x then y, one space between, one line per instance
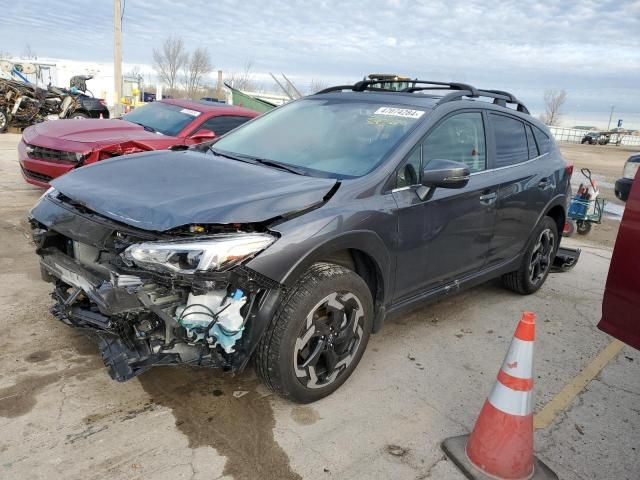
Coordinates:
606 164
421 380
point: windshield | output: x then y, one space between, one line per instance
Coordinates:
324 137
162 117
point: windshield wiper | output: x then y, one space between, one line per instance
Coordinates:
281 166
146 127
227 155
262 161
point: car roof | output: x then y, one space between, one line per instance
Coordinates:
427 102
210 107
395 98
418 93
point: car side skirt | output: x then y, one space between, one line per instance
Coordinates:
446 290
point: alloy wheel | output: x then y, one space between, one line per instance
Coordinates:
329 339
541 257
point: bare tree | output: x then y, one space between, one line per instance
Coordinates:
316 85
134 72
243 80
28 53
197 67
553 102
169 60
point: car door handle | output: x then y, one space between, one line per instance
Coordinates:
488 198
544 183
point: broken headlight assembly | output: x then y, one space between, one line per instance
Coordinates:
215 253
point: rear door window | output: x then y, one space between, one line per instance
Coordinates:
510 140
544 142
533 148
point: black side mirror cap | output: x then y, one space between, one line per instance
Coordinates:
440 173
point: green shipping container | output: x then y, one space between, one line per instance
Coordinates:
247 101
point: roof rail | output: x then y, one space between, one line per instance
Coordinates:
460 90
499 98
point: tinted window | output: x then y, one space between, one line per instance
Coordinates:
544 142
459 138
223 124
409 173
533 149
162 117
326 137
511 140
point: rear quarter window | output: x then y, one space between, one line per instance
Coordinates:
543 140
510 140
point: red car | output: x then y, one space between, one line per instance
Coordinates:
53 148
621 302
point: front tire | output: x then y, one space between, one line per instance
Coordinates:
318 335
537 259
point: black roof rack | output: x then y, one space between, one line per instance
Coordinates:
459 90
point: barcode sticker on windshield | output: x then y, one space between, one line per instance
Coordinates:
399 112
193 113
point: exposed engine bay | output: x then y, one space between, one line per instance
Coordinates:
181 297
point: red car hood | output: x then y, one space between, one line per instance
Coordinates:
90 132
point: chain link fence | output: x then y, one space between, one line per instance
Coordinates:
574 135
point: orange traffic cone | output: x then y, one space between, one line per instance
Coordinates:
501 444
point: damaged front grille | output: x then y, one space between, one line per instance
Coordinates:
43 153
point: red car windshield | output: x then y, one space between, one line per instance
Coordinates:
162 117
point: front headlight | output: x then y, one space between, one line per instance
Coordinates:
216 253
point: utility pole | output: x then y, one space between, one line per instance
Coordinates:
610 117
219 86
117 55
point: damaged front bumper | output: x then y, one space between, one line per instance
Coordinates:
142 318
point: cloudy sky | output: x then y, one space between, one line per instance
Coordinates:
589 48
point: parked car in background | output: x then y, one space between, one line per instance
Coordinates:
51 149
623 185
291 239
593 138
621 302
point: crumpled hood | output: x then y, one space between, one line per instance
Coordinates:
93 131
162 190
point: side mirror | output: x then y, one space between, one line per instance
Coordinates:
203 135
442 174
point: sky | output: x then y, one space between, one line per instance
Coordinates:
591 49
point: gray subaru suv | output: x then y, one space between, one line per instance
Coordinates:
294 237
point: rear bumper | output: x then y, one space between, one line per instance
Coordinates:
40 172
622 188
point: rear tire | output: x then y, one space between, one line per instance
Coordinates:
318 335
537 259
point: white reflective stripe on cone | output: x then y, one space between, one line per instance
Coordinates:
509 401
519 360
